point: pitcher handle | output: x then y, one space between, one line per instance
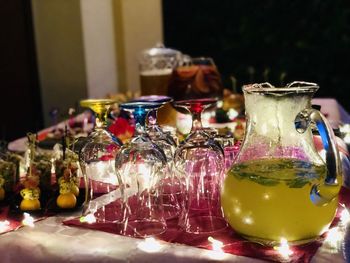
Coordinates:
325 192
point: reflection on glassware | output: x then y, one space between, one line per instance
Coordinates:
199 162
96 159
164 140
140 167
172 131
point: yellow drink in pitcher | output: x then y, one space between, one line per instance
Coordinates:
269 199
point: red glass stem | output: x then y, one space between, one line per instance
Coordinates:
196 111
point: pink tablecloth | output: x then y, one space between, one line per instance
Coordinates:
232 242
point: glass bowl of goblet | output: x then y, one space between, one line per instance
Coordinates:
140 166
96 159
199 162
165 141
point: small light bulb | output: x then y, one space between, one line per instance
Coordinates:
216 253
334 237
90 219
284 248
150 245
28 220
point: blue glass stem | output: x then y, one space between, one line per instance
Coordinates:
140 115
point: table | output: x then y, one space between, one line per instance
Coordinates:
51 241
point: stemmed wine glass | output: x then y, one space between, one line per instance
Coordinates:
140 167
165 141
199 161
96 160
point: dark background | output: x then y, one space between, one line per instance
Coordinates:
274 41
20 102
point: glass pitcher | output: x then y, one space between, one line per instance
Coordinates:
279 187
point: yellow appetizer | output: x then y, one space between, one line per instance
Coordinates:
67 198
31 191
30 200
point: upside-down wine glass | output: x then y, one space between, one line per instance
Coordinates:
96 159
199 161
140 167
165 141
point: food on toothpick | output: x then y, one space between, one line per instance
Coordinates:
31 191
30 200
67 198
67 172
42 161
66 169
37 178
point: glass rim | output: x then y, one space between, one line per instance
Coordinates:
133 105
159 50
294 87
88 102
154 98
189 102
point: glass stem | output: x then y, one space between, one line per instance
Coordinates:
140 120
196 121
101 120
